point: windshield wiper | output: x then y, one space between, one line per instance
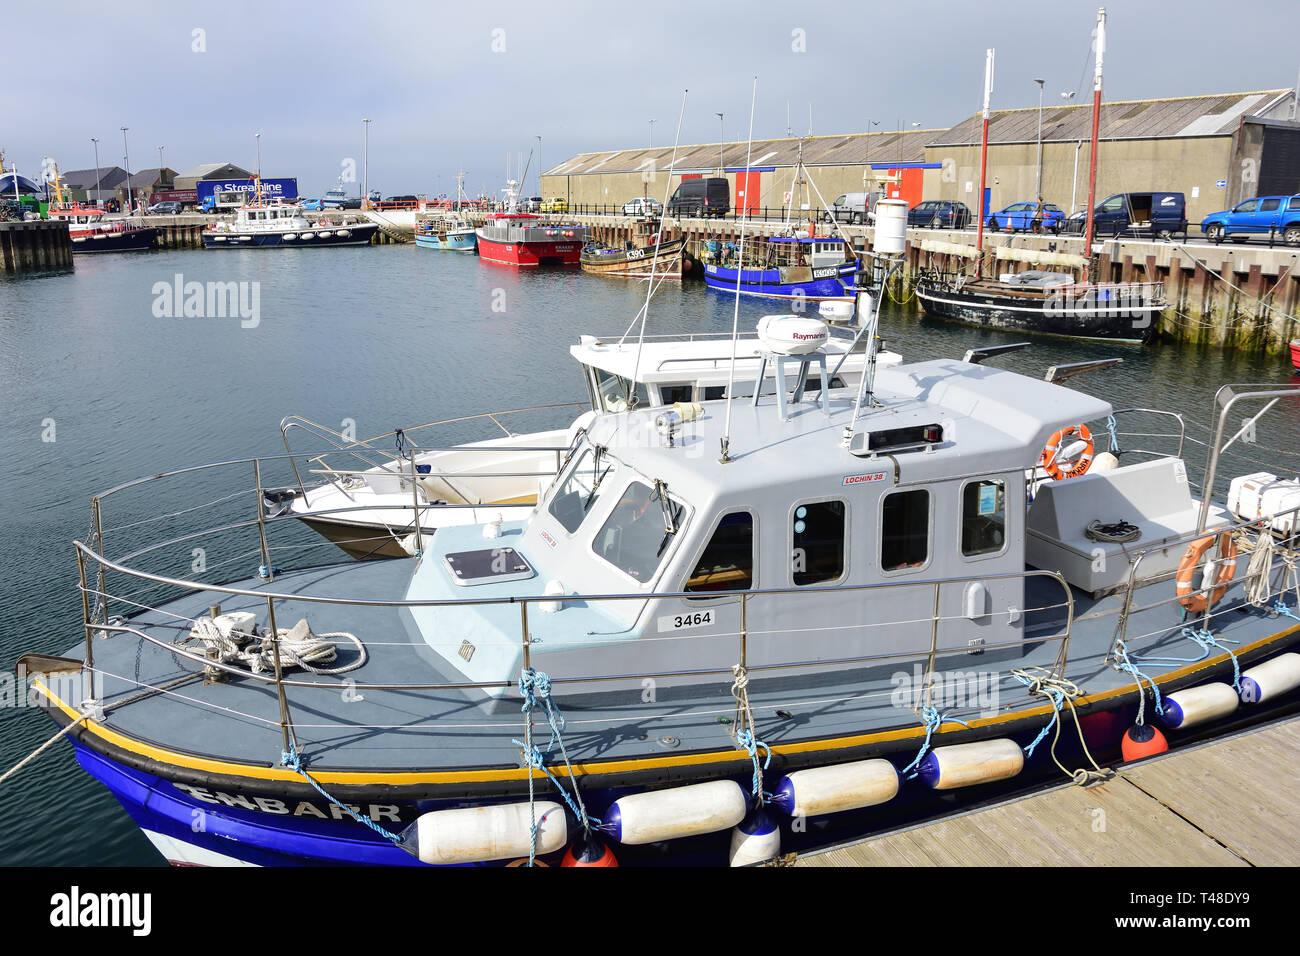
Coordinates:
670 520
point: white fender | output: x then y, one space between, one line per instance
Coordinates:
678 812
1196 705
479 834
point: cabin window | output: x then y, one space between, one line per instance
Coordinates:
727 563
611 392
817 542
983 517
581 490
668 394
638 531
905 530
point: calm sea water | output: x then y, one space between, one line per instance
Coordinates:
384 336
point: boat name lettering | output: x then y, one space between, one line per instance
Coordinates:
299 808
825 273
861 479
549 540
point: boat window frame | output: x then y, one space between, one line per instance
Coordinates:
845 538
704 546
579 458
1006 517
929 533
683 520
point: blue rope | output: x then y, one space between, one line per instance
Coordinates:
291 760
747 740
1204 640
933 720
1127 665
1114 439
1057 696
1279 607
535 688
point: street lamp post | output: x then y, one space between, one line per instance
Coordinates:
96 142
365 175
652 133
722 135
126 158
160 160
258 138
1038 180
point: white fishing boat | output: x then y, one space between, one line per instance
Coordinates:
265 224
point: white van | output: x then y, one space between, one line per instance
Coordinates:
855 208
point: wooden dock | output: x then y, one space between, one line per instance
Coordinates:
1230 803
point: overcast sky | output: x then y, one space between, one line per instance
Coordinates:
463 85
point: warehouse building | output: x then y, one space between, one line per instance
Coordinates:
189 178
852 162
1217 150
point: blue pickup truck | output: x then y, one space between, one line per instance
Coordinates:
1263 215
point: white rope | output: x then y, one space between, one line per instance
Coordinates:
43 747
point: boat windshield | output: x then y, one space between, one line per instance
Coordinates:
638 531
581 489
611 392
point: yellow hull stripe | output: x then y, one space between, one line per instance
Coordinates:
398 778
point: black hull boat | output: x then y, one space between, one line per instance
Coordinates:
1046 303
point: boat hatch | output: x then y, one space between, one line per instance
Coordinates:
487 565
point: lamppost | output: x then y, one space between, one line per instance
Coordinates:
652 133
1038 181
96 142
866 159
258 138
365 175
126 158
160 160
722 135
539 165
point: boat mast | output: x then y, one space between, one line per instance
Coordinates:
1096 125
984 162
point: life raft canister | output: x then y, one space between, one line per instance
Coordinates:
1224 569
1048 459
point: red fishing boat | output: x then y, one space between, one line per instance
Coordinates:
1295 354
526 240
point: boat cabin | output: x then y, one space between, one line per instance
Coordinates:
923 509
693 369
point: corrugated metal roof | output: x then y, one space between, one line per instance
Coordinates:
1215 115
833 150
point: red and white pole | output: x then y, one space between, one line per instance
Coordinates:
984 159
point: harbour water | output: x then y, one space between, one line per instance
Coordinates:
97 387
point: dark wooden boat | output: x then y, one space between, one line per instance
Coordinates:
636 258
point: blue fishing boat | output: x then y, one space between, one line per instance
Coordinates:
445 232
790 267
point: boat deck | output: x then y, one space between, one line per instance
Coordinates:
343 724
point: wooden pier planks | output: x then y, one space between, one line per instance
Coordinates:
1228 804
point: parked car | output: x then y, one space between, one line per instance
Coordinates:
400 199
855 208
642 207
558 204
940 214
531 204
1261 216
352 203
313 205
706 196
1134 214
166 208
1020 215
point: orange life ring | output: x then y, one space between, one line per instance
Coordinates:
1048 459
1196 601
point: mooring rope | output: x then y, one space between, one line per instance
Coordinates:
1125 664
535 688
1060 691
933 721
744 733
290 758
1203 639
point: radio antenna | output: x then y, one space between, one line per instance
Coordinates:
740 269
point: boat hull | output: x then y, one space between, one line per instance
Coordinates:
1295 355
530 254
637 263
352 234
1043 315
810 284
447 243
135 240
210 816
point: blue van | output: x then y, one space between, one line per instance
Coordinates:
1150 214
